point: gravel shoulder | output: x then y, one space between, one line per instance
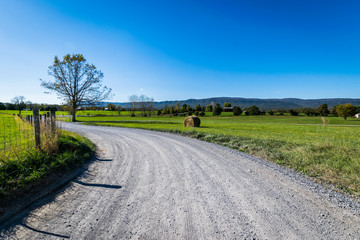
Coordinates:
153 185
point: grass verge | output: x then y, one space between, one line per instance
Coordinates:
32 166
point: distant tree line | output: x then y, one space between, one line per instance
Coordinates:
20 103
145 105
141 103
342 110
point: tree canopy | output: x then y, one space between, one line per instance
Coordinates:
209 108
19 102
76 82
346 110
253 110
227 104
323 109
217 110
237 111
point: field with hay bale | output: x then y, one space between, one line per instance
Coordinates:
328 152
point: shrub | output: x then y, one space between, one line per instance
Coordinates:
217 110
293 112
309 111
198 108
183 108
254 110
237 111
323 110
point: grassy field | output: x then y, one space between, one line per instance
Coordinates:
94 113
62 113
14 133
16 112
327 152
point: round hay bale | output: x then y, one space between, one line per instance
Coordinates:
192 121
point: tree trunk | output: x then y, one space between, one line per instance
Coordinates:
74 112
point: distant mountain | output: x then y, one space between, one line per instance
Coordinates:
263 104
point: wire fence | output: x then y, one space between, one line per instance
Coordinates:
16 134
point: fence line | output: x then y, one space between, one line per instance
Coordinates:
18 133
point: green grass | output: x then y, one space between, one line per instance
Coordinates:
78 113
228 117
330 153
32 165
96 113
14 133
23 112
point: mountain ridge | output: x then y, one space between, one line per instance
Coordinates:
263 104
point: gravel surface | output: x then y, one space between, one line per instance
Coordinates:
153 185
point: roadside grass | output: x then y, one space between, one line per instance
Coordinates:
328 153
31 165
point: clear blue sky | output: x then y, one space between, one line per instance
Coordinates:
175 50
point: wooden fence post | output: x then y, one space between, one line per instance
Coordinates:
53 121
36 127
47 118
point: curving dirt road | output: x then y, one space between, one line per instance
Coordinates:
152 185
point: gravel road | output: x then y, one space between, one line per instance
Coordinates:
152 185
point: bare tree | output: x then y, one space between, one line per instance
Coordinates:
119 108
133 99
19 102
150 106
111 107
143 104
76 82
